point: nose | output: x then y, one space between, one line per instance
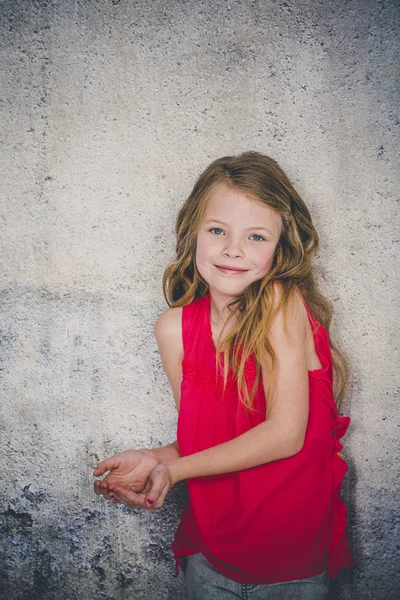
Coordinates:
232 249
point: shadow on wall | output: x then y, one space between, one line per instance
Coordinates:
76 565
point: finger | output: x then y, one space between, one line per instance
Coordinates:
131 499
157 483
97 488
101 488
103 466
123 483
107 495
155 500
161 498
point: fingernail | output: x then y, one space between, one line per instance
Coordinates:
150 502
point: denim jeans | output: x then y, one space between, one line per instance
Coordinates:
204 582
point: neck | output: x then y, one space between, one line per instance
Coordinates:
219 310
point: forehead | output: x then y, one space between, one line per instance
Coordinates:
229 204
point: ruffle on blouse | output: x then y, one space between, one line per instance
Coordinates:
339 552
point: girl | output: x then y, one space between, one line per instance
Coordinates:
246 348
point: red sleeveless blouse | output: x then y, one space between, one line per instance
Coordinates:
276 522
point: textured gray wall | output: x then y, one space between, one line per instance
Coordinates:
109 110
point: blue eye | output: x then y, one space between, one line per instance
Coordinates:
215 230
260 237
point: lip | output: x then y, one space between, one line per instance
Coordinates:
230 270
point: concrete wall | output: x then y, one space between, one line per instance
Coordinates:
109 110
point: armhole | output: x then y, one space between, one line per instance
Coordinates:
187 325
189 314
320 337
313 322
184 327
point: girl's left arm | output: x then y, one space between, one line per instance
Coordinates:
281 435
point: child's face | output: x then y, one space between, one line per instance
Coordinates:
237 232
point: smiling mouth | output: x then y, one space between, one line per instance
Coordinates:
231 270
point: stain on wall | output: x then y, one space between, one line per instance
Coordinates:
108 112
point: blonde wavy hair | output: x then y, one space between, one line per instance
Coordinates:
261 178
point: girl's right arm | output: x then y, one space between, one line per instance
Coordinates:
129 470
168 332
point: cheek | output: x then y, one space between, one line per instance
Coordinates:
199 251
265 261
201 254
203 249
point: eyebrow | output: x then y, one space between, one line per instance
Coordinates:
247 229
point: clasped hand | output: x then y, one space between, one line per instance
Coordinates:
136 478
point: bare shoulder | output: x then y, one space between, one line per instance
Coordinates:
168 333
291 321
169 324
